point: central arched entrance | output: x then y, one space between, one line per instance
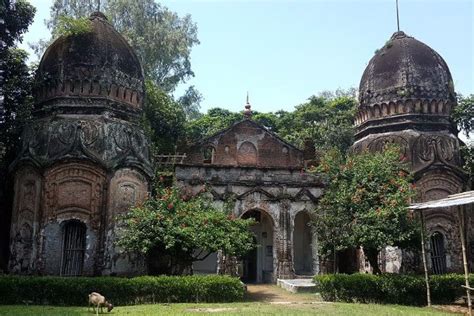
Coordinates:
257 265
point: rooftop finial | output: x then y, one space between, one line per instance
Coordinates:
248 110
398 19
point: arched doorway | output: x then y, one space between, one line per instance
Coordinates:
302 245
258 263
74 247
438 253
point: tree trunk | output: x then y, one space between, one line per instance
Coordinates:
160 262
372 256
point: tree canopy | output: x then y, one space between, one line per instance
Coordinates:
326 119
365 203
15 76
463 114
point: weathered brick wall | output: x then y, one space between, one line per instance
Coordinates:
279 194
247 144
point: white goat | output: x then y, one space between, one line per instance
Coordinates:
98 301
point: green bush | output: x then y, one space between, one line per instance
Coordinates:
119 291
390 288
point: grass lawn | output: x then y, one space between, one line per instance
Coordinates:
244 308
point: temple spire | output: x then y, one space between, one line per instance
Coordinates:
248 110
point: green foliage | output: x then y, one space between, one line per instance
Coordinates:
17 102
181 228
119 291
209 124
365 203
16 17
163 119
326 119
69 26
190 102
390 288
467 153
463 114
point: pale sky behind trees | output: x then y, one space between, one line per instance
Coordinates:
284 51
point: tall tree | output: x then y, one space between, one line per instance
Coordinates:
163 119
15 102
365 203
326 120
208 124
463 114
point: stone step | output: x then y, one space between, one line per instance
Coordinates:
297 285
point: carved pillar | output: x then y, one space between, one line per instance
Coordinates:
127 188
284 260
25 221
314 251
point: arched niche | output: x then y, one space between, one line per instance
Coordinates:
209 154
247 154
302 244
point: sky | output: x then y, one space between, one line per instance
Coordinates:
282 51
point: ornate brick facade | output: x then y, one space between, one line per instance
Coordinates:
84 159
253 173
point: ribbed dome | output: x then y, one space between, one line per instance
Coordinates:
405 82
405 68
98 65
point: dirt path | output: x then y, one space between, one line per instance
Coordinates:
274 294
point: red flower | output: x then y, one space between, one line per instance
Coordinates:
402 173
170 206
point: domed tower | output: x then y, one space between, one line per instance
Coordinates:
84 159
406 95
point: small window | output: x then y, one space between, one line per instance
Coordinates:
438 253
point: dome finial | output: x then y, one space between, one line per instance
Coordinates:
398 18
248 110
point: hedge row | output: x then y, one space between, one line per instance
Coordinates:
119 291
390 288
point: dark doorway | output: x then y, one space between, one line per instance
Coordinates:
438 253
249 262
74 246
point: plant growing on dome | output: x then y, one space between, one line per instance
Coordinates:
69 26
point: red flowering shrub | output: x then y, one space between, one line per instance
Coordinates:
169 230
365 203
